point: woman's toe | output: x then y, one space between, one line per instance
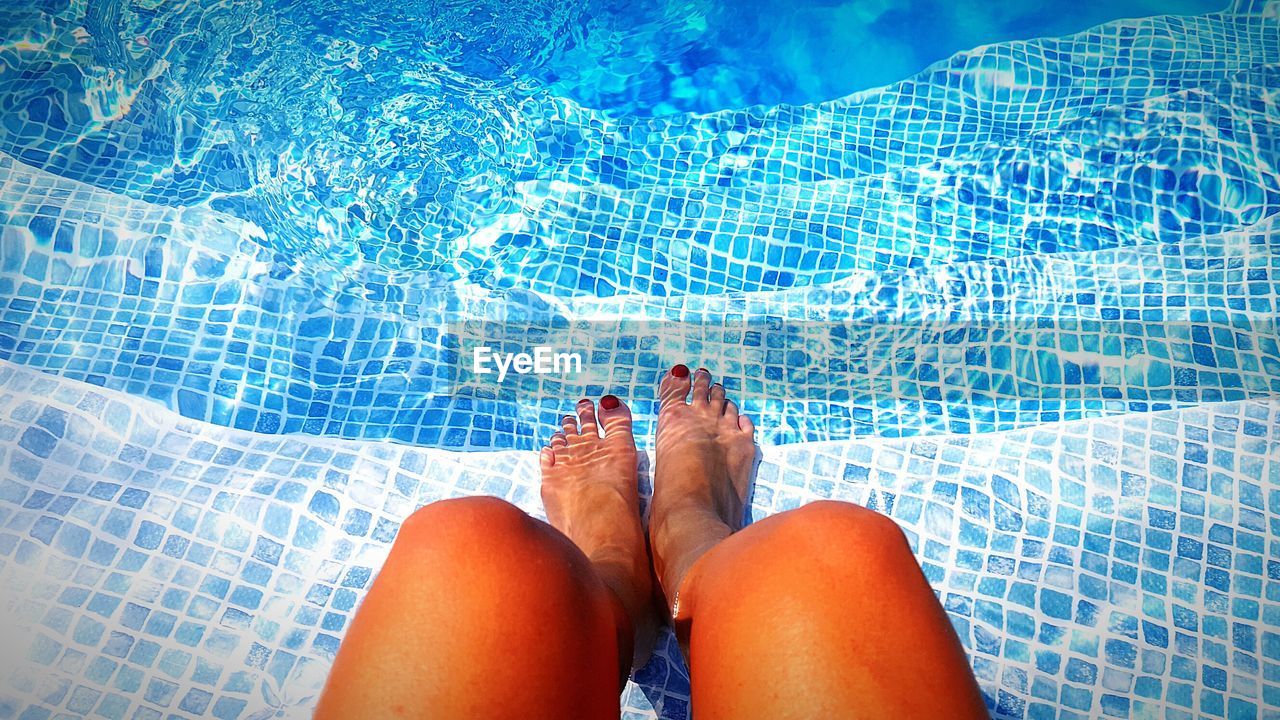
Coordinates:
701 386
615 416
587 418
674 386
717 395
569 426
730 416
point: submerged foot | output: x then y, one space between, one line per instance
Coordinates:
705 454
589 489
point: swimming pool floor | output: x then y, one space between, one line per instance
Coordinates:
1025 303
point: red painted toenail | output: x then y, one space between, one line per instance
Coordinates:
680 371
704 370
609 402
584 400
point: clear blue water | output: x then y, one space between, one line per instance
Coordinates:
1025 282
669 56
404 134
345 192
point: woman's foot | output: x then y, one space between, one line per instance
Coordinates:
589 489
705 454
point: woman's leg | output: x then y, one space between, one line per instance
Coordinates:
484 612
816 612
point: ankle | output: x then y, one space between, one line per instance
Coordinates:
683 508
678 541
675 526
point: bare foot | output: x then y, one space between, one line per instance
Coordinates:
705 453
589 488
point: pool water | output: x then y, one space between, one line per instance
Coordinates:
659 57
1009 277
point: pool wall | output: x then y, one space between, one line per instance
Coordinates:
1025 303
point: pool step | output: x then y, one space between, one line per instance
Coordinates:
994 93
258 153
189 310
1191 163
151 559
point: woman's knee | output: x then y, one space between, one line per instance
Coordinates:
472 589
479 537
463 520
831 523
828 534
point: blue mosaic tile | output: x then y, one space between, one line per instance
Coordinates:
978 346
1074 592
1025 303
